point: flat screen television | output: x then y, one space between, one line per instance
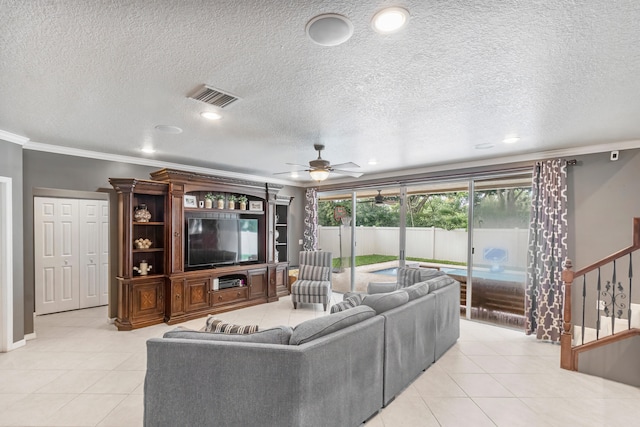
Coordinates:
219 241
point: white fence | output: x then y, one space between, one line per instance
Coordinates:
430 243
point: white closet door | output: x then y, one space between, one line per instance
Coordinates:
104 252
56 254
91 222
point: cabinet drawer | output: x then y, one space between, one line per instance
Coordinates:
230 295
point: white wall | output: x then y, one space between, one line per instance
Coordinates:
431 243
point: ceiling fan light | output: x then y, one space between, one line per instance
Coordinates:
319 174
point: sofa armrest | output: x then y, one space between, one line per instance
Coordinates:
204 383
381 287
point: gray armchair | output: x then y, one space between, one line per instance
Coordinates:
407 276
314 279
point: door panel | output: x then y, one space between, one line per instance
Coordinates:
56 254
93 280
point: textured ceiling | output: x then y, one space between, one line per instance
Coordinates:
100 75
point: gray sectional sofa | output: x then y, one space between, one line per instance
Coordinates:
335 370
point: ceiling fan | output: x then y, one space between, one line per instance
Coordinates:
380 200
319 169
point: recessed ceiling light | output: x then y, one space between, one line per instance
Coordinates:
329 29
168 129
211 115
389 20
372 162
485 146
511 139
148 150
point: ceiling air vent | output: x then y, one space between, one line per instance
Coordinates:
214 97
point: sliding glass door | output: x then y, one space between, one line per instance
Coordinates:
500 221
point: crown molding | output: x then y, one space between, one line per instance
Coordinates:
56 149
520 158
12 137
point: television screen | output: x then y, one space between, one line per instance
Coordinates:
214 241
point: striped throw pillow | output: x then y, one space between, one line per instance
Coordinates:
348 303
217 325
314 272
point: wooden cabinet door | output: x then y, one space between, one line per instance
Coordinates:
258 282
197 293
147 302
176 301
282 279
177 243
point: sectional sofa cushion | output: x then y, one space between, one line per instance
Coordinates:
277 335
418 290
350 302
383 302
440 282
325 325
314 272
409 276
215 325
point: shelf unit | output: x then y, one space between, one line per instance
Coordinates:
141 297
170 292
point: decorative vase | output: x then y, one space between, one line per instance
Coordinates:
208 203
220 203
243 206
232 205
141 214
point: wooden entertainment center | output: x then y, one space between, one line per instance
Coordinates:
155 283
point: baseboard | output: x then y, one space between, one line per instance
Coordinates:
111 320
31 336
17 344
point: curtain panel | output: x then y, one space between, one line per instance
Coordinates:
310 242
544 293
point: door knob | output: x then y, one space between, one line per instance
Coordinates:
66 262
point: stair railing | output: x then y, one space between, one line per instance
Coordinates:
610 299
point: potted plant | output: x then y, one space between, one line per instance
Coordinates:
219 198
243 202
232 202
208 200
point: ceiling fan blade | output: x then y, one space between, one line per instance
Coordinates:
297 164
348 173
290 172
345 165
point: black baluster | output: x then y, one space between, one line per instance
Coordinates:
630 283
613 299
584 298
598 308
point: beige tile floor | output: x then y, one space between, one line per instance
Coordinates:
80 371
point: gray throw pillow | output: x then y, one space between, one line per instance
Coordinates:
440 282
383 302
418 290
325 325
352 301
277 335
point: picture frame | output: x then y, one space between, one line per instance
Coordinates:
190 202
255 205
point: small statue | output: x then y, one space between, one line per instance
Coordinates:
144 268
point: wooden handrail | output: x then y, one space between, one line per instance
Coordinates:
568 355
616 255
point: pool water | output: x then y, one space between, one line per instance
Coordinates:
502 276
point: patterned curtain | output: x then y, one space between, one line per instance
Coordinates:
547 249
310 242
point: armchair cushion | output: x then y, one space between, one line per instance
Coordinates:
314 272
408 276
325 325
383 302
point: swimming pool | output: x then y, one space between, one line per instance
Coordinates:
502 276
